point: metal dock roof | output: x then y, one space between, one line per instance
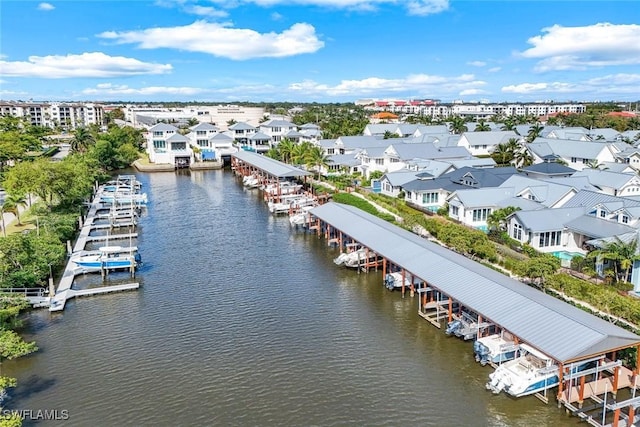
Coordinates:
554 327
269 165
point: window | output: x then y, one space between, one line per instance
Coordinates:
201 132
585 161
158 133
178 146
330 151
517 232
574 160
380 162
159 144
454 210
428 198
602 213
203 142
624 219
387 187
550 238
394 160
481 214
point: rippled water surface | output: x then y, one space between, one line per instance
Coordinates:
241 320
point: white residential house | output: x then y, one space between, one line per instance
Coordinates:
241 132
166 146
483 143
391 184
276 129
472 207
430 190
258 142
310 133
612 183
546 231
576 154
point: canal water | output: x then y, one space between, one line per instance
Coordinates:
241 320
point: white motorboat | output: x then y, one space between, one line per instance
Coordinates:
496 348
530 373
394 281
110 258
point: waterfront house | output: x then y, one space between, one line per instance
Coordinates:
241 132
276 129
429 191
165 145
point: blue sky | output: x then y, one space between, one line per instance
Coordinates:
319 50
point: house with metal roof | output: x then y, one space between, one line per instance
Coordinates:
258 142
483 143
241 131
276 129
474 209
575 153
563 332
391 184
165 145
396 154
569 133
612 183
604 134
431 193
379 129
343 164
547 170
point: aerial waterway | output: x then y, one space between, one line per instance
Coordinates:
241 320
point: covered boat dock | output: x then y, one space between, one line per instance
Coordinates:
451 282
265 169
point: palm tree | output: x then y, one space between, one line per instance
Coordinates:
523 158
317 159
299 153
534 131
457 125
82 138
509 124
12 204
502 155
482 126
623 255
192 122
497 220
285 147
593 164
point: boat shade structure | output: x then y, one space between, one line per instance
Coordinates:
563 332
269 166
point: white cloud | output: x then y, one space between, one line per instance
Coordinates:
223 41
205 11
413 7
88 64
477 63
106 89
494 69
606 85
421 84
577 48
275 16
467 92
46 7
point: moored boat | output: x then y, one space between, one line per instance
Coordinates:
530 373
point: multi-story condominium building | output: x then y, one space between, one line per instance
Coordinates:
68 116
478 111
216 115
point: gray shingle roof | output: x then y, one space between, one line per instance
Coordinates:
270 166
554 327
